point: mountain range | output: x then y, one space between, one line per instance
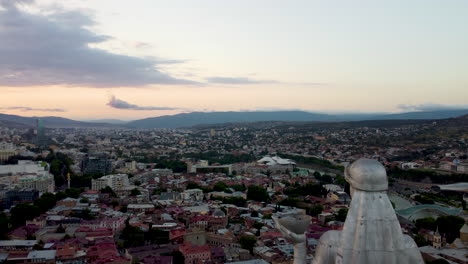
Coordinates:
199 118
49 121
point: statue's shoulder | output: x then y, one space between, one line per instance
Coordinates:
330 238
327 247
409 242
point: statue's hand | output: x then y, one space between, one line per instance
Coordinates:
295 238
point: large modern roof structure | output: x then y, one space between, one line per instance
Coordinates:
275 161
426 210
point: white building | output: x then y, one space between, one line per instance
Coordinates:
7 150
192 195
275 161
115 181
28 174
410 165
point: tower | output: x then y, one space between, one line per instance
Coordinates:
437 239
68 180
40 136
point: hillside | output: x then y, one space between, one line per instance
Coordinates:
11 124
441 114
49 121
211 118
197 118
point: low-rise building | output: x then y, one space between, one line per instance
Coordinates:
194 253
115 181
27 174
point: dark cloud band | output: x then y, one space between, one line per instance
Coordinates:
236 80
54 49
27 109
120 104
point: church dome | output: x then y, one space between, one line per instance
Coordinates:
367 175
219 212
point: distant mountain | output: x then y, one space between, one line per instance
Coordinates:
108 121
11 124
49 121
203 118
198 118
441 114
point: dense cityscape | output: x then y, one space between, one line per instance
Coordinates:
207 194
237 132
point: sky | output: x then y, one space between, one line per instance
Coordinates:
95 59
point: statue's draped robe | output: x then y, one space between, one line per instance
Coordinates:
371 234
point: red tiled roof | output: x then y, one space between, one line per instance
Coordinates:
187 249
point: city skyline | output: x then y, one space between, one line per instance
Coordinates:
90 60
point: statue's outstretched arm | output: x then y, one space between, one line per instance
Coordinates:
296 238
299 241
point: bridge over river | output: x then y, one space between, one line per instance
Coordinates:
409 210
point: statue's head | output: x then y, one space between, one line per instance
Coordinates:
367 175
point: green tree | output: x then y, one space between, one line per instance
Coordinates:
423 199
342 213
22 212
238 187
316 210
60 196
158 236
73 192
220 186
257 193
420 240
60 229
290 201
109 190
45 202
266 216
114 203
158 191
257 225
4 225
247 242
193 185
132 236
428 223
326 179
135 192
237 201
304 190
84 214
450 225
340 180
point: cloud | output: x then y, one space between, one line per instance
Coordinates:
236 80
430 107
27 109
120 104
55 49
9 4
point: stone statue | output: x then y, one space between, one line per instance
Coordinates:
371 232
293 226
